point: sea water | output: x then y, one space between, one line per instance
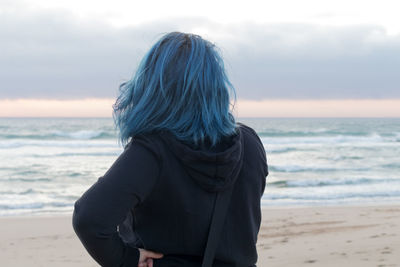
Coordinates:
47 163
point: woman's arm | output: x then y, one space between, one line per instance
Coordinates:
104 205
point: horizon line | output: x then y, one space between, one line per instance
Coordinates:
100 117
242 108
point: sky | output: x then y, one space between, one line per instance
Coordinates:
287 58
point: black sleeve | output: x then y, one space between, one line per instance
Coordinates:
263 157
99 211
264 165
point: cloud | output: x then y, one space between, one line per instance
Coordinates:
54 54
308 61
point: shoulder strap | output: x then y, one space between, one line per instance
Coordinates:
217 221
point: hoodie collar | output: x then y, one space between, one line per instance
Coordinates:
212 170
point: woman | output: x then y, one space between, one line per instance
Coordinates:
182 146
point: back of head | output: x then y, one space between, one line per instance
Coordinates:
180 86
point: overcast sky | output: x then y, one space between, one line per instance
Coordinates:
291 49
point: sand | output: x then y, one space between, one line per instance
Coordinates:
330 236
317 236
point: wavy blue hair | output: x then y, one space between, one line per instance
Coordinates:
180 86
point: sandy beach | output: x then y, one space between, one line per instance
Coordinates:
317 236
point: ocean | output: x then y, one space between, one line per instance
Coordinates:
47 163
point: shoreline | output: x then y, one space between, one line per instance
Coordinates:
265 207
340 235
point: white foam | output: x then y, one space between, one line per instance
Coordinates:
83 134
337 139
56 143
333 182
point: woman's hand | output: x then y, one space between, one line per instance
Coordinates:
146 257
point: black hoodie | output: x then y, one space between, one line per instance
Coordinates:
159 195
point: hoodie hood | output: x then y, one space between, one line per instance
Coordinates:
213 169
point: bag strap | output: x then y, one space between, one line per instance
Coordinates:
217 221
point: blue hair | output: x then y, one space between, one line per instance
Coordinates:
180 86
